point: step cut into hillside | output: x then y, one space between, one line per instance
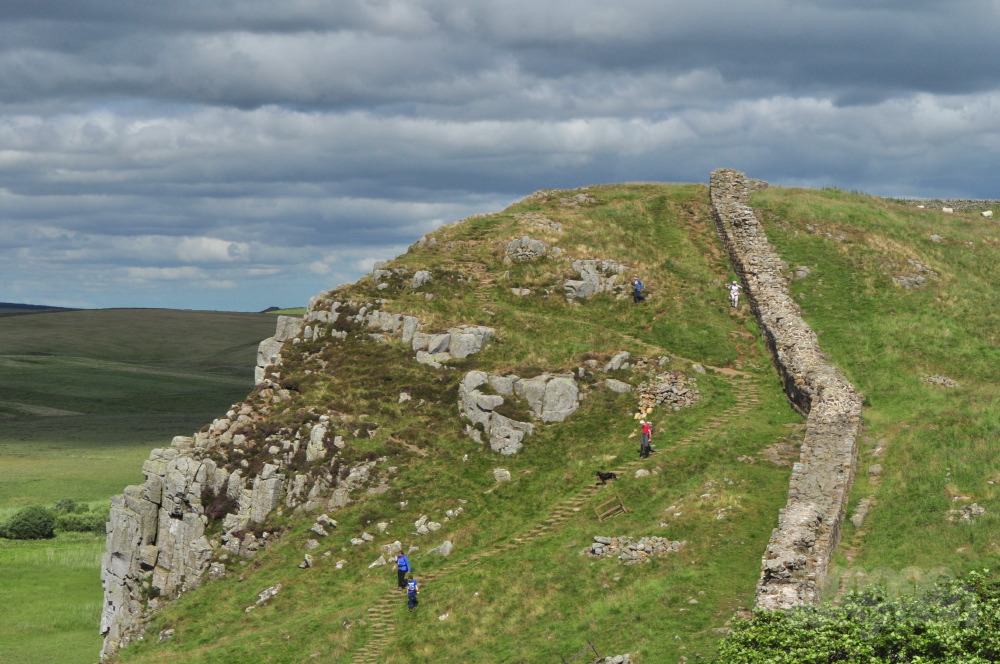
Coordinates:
797 558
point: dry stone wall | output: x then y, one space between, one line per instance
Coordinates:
795 564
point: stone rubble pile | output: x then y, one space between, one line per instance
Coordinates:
671 389
941 381
630 550
525 249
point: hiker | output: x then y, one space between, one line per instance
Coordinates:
637 289
734 294
411 593
646 446
402 567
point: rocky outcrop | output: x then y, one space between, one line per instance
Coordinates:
526 249
796 562
596 276
157 545
550 398
269 350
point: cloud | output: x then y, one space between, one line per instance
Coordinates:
248 154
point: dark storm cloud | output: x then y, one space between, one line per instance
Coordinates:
223 153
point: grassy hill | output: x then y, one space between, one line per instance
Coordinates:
84 396
515 588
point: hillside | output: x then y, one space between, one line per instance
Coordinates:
461 399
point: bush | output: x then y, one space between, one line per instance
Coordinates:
32 522
82 522
953 622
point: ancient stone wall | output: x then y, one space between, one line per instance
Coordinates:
795 564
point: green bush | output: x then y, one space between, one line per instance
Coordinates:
956 622
68 506
82 522
31 522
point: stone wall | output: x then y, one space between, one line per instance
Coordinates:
795 564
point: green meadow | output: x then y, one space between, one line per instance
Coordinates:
84 397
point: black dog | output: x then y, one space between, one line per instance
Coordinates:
604 477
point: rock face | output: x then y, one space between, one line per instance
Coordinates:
797 559
596 276
550 397
156 534
526 249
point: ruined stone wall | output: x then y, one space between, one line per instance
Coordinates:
795 564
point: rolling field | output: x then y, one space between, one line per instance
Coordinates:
84 397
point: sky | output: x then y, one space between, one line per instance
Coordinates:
241 154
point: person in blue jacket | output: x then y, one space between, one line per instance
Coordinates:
411 593
637 289
402 567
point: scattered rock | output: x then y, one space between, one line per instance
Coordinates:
967 514
861 512
443 550
940 381
501 475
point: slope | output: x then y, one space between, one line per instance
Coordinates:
515 586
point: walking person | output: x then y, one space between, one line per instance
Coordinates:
646 446
411 593
402 568
734 294
637 289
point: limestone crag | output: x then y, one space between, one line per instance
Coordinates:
550 398
596 276
233 474
797 558
432 348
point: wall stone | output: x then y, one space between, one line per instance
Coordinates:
796 562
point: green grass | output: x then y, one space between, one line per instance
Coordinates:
541 600
50 600
84 397
939 442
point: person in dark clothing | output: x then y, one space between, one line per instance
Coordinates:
637 289
411 593
402 567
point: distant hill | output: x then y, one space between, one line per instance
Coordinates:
13 308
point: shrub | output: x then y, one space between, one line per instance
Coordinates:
31 522
82 522
68 506
955 621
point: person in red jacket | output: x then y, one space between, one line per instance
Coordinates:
647 439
